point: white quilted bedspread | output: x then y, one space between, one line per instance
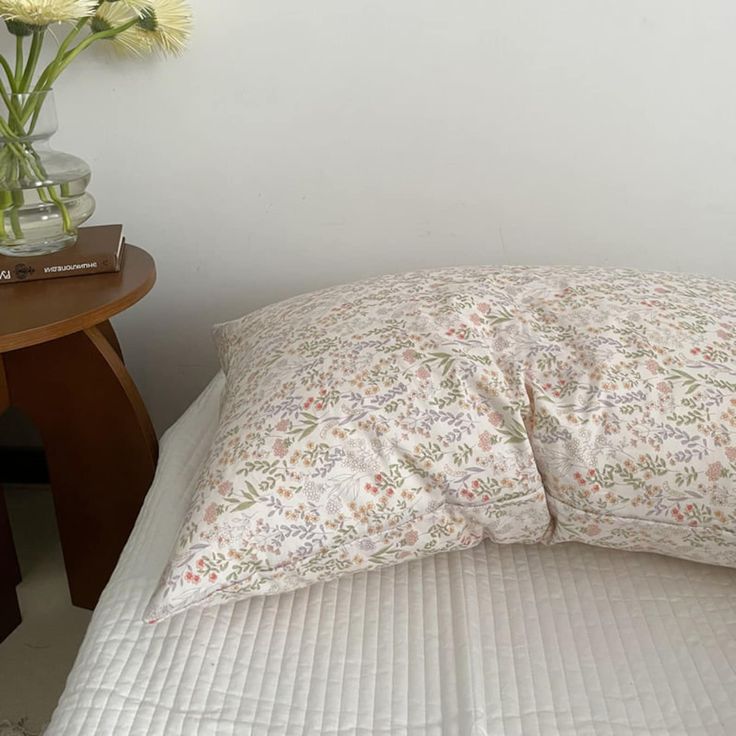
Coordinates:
494 640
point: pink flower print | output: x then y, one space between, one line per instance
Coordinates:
411 538
484 308
496 418
592 530
475 319
423 373
485 441
224 487
280 448
652 366
409 355
714 471
282 425
211 513
200 563
212 577
663 387
189 576
731 453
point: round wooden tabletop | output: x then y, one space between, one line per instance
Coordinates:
33 312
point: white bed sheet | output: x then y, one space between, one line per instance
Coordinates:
496 640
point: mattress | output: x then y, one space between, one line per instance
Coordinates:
495 640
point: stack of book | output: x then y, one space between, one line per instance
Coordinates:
99 249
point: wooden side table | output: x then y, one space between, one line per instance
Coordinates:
61 364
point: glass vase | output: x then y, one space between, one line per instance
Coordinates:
43 197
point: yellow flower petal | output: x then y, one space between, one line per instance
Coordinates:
43 12
168 23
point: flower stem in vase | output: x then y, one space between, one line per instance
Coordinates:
43 193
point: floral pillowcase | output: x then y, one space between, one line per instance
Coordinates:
634 410
406 415
362 425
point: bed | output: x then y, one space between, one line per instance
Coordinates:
497 639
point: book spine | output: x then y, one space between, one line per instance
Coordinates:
27 270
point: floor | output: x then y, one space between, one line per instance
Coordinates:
36 658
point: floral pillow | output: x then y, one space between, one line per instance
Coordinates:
406 415
632 382
362 425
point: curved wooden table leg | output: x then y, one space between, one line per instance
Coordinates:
9 570
9 575
100 447
109 334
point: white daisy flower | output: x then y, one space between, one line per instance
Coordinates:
162 24
112 15
42 12
168 22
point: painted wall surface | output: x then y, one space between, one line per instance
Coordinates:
301 144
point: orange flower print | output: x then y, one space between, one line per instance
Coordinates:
496 418
715 470
224 487
411 538
485 441
211 514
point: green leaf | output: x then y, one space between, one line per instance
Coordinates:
243 506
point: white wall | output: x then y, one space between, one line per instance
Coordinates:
299 144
